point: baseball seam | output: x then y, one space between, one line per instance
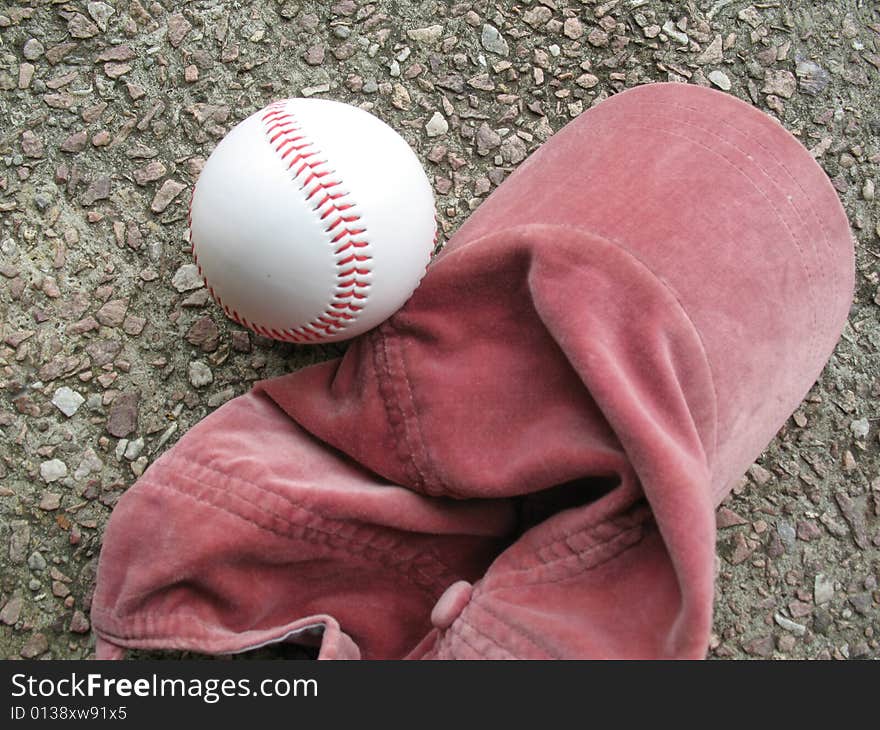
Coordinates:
342 225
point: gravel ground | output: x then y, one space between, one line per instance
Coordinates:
110 348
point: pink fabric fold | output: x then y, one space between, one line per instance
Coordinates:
525 460
249 531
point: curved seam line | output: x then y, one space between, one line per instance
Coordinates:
520 632
458 633
397 566
307 331
404 420
441 488
328 323
795 240
153 621
810 200
515 629
777 160
574 556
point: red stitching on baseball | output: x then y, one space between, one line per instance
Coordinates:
283 129
289 140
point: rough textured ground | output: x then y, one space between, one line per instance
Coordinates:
110 348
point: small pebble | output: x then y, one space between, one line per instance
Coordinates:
187 278
134 449
123 416
780 83
314 55
713 53
79 624
720 79
33 49
789 625
493 41
437 125
586 81
572 28
11 611
178 27
170 189
50 501
860 428
67 400
53 470
675 34
37 644
200 374
100 13
31 144
823 589
812 78
428 35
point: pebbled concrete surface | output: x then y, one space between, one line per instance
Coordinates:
110 348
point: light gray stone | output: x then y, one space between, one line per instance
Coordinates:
101 13
67 400
437 125
493 41
713 53
187 278
789 625
90 464
720 79
428 35
674 33
33 49
53 470
860 428
200 374
134 448
823 589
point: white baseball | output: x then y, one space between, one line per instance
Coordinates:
312 221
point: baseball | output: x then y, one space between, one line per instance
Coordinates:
312 221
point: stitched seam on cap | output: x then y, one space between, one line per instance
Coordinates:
300 532
393 416
774 180
769 151
438 486
480 591
813 347
475 602
361 552
459 634
323 520
776 126
576 557
455 633
410 415
154 623
392 400
522 634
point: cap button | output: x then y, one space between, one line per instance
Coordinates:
451 604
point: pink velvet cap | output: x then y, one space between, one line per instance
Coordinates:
525 460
